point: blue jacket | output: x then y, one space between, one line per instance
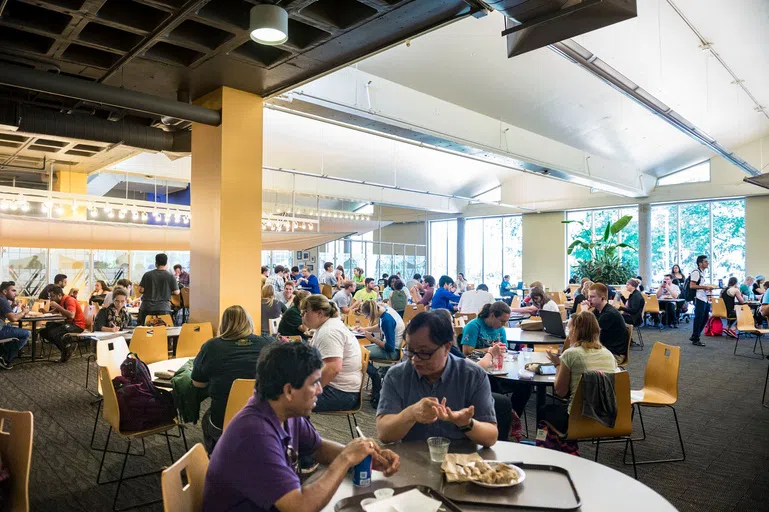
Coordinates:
311 285
442 297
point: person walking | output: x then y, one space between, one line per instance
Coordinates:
701 304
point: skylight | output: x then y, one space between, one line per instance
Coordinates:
695 174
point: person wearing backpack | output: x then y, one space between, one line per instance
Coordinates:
701 304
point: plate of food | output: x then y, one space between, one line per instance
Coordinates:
494 474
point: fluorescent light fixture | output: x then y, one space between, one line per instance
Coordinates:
269 24
616 75
651 99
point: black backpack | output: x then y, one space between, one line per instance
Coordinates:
690 293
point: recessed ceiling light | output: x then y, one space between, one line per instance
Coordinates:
269 24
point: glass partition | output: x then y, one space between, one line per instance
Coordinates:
111 266
27 268
76 265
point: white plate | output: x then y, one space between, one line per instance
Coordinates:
521 474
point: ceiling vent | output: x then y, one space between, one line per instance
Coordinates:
762 180
532 24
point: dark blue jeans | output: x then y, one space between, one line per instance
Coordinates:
334 399
701 312
10 350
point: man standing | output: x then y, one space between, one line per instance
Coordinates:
182 277
255 465
613 328
343 298
367 292
277 281
9 350
288 293
668 290
328 275
156 288
74 322
308 282
701 304
60 280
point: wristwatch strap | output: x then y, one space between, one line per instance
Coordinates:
468 427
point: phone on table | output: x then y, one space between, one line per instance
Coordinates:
547 369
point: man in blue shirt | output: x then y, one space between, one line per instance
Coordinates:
506 287
444 297
308 282
9 350
434 393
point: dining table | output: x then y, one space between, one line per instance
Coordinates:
518 335
511 371
34 321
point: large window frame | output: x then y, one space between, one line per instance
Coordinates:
381 257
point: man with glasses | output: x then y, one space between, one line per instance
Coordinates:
113 318
255 465
701 302
10 349
433 392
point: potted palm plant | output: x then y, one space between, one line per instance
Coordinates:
604 264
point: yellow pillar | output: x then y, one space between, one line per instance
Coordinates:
226 208
71 183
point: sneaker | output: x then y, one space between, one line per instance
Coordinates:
69 349
730 333
5 365
698 343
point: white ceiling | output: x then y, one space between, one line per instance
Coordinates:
466 63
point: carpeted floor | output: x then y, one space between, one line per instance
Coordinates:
725 429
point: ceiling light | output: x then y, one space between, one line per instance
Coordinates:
157 215
186 219
24 206
269 24
144 216
122 213
135 216
111 214
4 205
59 210
94 212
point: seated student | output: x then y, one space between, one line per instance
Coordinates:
746 288
398 299
256 462
473 300
10 350
580 295
341 376
295 274
114 317
125 284
343 297
271 308
277 280
434 393
444 296
387 287
633 309
56 332
308 282
506 287
288 293
339 275
764 308
357 277
414 281
99 293
59 280
232 355
731 295
669 290
386 320
328 277
758 287
539 301
368 292
534 284
613 327
584 354
428 289
291 321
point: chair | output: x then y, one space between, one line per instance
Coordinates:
183 482
719 308
562 310
273 325
652 307
661 389
41 306
766 382
409 313
185 294
150 344
327 290
166 318
584 428
240 391
558 297
111 415
365 356
90 313
516 302
109 354
16 436
626 361
746 325
192 337
548 347
466 316
421 308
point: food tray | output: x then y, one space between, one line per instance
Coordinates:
546 488
352 504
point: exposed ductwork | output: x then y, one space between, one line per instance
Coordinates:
78 126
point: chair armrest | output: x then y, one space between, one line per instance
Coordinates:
8 340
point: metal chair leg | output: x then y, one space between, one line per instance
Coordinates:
597 445
349 423
168 442
632 454
766 381
658 461
122 472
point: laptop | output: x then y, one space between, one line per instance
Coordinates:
552 323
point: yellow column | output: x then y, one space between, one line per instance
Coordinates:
226 208
71 183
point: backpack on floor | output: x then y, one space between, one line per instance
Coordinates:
142 404
548 437
714 327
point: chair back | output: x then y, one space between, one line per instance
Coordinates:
559 297
150 344
365 357
421 308
183 482
240 391
16 435
466 316
191 338
185 293
573 288
327 290
111 354
110 408
273 325
652 304
516 302
41 306
409 313
166 318
719 307
745 320
662 369
626 361
539 347
562 310
582 427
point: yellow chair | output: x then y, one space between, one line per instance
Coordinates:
746 325
111 414
150 344
181 496
626 361
467 316
165 318
240 391
584 428
192 337
661 389
41 306
16 435
544 348
421 308
327 290
559 297
409 313
365 356
718 308
652 307
516 302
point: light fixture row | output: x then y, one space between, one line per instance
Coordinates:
313 213
290 225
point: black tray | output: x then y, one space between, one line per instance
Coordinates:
546 488
353 502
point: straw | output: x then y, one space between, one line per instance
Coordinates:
360 432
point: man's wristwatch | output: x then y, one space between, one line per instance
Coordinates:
468 427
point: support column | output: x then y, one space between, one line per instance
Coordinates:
645 243
460 246
226 207
71 183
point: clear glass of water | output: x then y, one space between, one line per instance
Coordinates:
526 352
439 447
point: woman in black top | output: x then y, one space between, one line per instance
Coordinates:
758 286
632 311
678 276
291 321
581 296
99 292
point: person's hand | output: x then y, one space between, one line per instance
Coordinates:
358 449
423 410
583 307
554 357
459 418
386 461
496 350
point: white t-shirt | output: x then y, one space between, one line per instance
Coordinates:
551 306
473 300
697 278
671 290
334 339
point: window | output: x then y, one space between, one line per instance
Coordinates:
27 268
111 266
695 174
594 224
681 232
439 246
76 264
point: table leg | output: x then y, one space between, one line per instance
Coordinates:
541 396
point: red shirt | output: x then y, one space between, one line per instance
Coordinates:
71 304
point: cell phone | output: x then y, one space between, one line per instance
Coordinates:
547 369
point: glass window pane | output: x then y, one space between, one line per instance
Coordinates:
111 266
451 247
266 259
180 257
26 267
583 232
474 251
142 261
664 230
398 260
438 240
512 263
695 235
75 263
421 267
728 240
357 256
410 263
371 267
629 236
492 252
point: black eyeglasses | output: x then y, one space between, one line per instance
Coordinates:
424 356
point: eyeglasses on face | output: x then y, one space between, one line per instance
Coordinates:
424 356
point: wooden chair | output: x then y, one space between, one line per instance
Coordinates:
746 325
111 414
718 308
626 361
559 297
192 337
421 308
544 348
183 482
327 290
150 344
16 436
516 302
584 428
240 391
365 356
165 318
660 389
466 316
652 307
459 325
41 306
110 354
272 324
185 295
562 310
90 313
409 313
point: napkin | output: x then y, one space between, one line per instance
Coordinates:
411 501
452 460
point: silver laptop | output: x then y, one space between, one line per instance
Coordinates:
552 323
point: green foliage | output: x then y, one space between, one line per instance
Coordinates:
597 256
603 269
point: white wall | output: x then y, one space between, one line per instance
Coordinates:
757 236
544 249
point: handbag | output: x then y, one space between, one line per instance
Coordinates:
532 324
142 405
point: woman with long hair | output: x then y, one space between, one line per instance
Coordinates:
581 296
291 321
340 277
231 355
99 292
386 320
271 308
678 276
539 300
731 295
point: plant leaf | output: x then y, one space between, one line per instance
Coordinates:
620 224
607 232
572 221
